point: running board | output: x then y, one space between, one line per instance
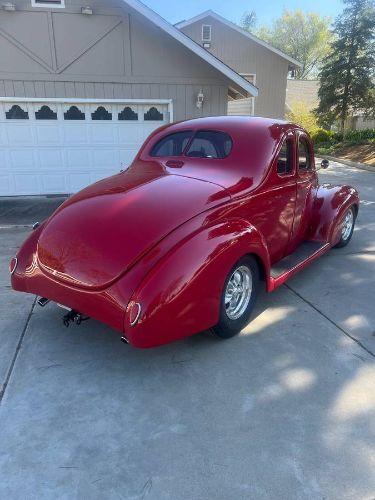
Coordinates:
306 253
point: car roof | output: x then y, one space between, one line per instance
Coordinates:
255 142
231 123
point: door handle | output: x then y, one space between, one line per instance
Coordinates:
175 163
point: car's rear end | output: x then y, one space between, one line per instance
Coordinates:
98 246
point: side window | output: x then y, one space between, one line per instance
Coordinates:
172 145
304 156
210 144
206 32
285 158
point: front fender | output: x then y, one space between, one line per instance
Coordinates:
330 206
181 295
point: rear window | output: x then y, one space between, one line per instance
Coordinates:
205 144
172 145
210 144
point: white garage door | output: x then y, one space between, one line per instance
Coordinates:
60 147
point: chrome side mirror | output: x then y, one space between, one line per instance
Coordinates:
324 164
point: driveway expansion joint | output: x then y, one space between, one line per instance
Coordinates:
16 226
358 342
18 348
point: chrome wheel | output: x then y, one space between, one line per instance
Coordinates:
238 292
347 225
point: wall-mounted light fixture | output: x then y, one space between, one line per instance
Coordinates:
87 11
9 7
200 99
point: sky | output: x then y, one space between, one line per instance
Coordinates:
174 11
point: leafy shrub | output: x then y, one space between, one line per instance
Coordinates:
324 149
303 116
357 136
322 136
337 137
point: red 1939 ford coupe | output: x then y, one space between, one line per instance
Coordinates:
183 240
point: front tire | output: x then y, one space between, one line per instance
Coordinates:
238 299
347 228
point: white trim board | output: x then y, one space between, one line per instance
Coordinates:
78 100
243 32
191 45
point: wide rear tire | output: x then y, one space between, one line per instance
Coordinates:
238 299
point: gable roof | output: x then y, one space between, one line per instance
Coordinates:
240 30
193 46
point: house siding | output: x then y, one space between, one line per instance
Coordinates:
113 53
183 95
248 57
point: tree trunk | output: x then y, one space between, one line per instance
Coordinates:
342 125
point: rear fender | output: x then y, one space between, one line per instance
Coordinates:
181 295
330 206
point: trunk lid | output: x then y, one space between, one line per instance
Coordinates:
99 233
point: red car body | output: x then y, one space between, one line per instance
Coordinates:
147 251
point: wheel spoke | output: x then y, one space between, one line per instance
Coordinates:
238 292
237 278
347 225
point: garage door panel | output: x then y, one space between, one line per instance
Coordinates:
54 183
27 183
3 158
4 185
78 158
103 134
104 158
3 135
75 134
62 150
47 134
130 134
50 158
21 159
19 134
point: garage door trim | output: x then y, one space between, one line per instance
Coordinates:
78 100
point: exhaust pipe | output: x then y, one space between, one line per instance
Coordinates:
74 317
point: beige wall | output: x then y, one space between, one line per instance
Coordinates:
246 56
114 53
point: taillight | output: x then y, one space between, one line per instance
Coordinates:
12 265
134 312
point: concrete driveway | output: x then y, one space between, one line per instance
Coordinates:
284 411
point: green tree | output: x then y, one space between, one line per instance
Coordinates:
303 36
347 76
248 20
